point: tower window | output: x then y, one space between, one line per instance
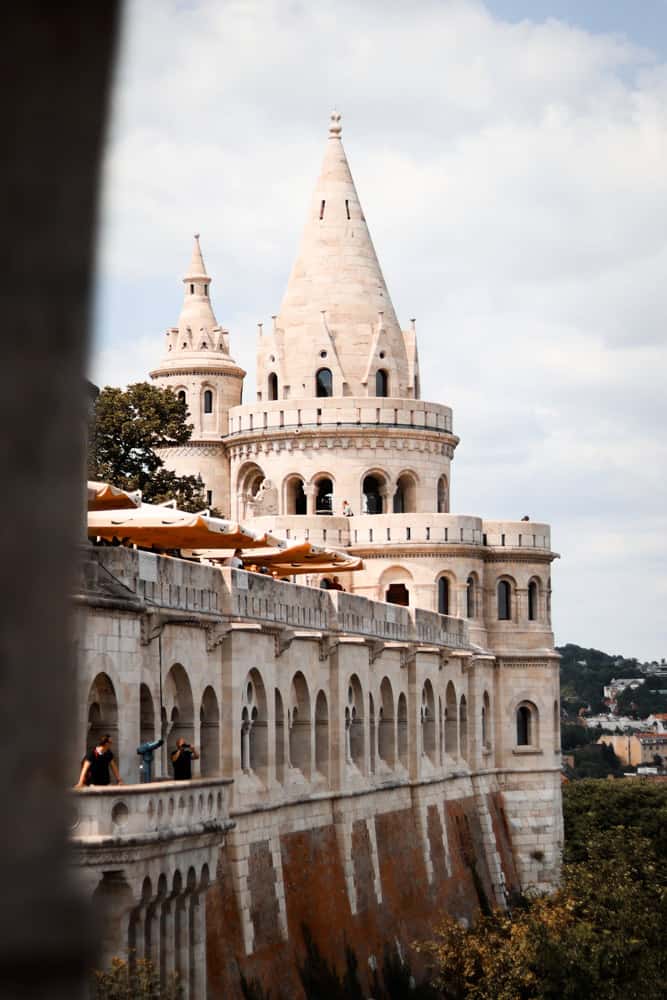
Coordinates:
532 601
181 396
381 382
443 595
504 601
324 382
209 498
273 386
208 401
322 209
347 208
192 289
205 289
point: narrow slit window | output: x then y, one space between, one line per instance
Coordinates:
322 204
192 289
347 208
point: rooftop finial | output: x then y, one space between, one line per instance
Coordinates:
335 127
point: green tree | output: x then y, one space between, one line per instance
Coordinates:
130 426
600 936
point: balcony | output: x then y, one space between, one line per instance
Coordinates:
160 810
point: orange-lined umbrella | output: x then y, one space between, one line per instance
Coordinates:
104 496
153 526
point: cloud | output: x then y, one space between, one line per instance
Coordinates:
513 178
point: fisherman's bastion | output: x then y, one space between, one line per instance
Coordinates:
371 756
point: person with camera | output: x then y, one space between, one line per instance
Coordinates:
182 758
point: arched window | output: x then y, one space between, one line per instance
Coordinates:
504 601
463 726
324 498
532 600
443 595
526 725
324 382
381 382
443 495
208 401
470 597
451 722
486 721
404 501
372 500
182 398
295 497
273 386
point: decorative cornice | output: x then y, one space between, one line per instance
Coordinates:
229 371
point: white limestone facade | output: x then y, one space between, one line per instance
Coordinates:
422 703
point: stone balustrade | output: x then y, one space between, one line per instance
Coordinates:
344 413
518 534
231 594
150 811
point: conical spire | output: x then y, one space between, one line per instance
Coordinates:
197 267
337 272
198 331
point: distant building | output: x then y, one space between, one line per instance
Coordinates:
637 748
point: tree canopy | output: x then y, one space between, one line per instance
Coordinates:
130 426
600 936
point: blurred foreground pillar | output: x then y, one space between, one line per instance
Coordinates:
55 75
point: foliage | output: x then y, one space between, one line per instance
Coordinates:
638 807
584 672
599 936
596 760
644 700
572 736
130 426
139 981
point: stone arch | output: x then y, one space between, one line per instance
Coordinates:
375 490
300 729
146 715
534 599
208 399
387 724
324 382
486 721
463 727
254 726
324 490
382 382
372 732
294 495
442 495
402 729
527 719
280 736
209 714
354 723
441 732
446 593
179 706
506 598
404 500
102 710
472 596
395 585
322 735
248 484
272 387
428 722
451 721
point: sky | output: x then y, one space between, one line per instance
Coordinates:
511 158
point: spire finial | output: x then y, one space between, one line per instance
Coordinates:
335 127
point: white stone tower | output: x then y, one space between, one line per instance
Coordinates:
197 365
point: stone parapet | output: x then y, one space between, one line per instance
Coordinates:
152 811
339 413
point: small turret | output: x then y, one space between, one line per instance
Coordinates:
197 365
